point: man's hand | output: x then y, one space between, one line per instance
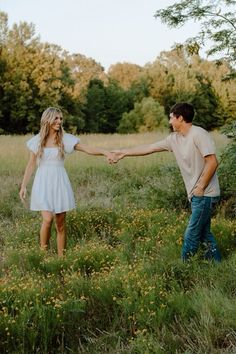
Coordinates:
116 155
110 157
198 191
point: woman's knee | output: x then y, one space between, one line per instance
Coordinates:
60 227
47 218
47 221
60 222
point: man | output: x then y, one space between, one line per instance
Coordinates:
195 155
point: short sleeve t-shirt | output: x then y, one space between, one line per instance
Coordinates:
189 151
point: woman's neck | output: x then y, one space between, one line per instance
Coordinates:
52 133
51 138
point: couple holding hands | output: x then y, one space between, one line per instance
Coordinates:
192 146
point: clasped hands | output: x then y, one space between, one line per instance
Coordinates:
114 156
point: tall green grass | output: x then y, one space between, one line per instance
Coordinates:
121 288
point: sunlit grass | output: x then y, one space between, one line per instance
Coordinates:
122 275
13 152
121 287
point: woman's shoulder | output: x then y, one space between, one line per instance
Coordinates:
35 138
69 141
68 136
33 143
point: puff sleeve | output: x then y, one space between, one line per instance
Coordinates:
70 141
33 144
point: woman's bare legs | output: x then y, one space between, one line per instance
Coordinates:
45 231
61 233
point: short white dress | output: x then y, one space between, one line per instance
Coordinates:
51 190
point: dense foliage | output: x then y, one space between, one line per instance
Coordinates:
227 171
128 98
218 25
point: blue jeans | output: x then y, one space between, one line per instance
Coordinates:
198 229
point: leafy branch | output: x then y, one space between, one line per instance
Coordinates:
219 28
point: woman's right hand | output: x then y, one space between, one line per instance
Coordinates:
117 155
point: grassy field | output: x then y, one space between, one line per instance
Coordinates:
122 287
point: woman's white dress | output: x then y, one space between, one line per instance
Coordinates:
51 188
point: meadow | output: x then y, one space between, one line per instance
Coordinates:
122 287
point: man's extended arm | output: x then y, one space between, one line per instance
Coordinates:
136 151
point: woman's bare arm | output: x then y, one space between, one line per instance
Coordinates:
27 175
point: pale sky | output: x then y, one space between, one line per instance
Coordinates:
109 31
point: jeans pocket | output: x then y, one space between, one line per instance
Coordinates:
197 197
197 202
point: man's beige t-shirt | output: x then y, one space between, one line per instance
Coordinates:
189 151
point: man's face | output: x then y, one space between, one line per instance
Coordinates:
175 122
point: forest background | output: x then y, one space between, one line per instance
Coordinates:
127 98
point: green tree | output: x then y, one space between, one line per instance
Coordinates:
17 50
94 108
117 101
218 25
3 28
138 90
34 75
227 172
171 77
125 74
209 111
104 106
83 70
147 115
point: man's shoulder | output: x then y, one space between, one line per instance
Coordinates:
198 130
201 137
172 135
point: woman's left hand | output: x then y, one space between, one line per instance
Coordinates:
22 194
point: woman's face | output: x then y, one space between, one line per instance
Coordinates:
57 123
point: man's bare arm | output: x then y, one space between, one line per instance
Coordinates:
141 150
210 167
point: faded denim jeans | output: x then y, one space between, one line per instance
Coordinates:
198 230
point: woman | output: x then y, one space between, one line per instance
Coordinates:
51 192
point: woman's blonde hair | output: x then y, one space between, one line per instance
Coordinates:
47 120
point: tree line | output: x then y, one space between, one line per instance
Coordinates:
128 98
